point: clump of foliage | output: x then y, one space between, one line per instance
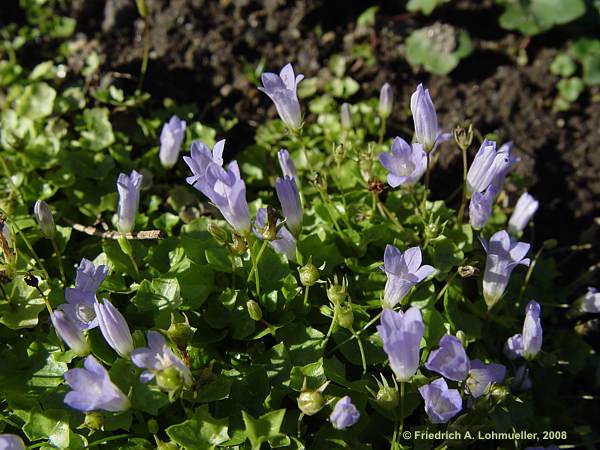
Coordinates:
316 296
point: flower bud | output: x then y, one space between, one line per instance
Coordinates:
365 163
238 244
345 116
336 293
170 379
269 231
462 337
152 425
44 218
386 397
386 99
463 137
254 310
180 331
432 230
345 316
311 401
218 233
94 421
309 274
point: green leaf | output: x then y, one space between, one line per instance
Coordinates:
535 16
24 307
438 48
265 428
52 424
425 6
157 295
563 65
570 88
96 129
37 101
201 432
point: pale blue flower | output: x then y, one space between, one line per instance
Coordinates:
503 255
158 357
524 210
284 242
403 271
81 298
11 442
345 116
224 187
427 128
489 167
129 200
441 403
528 343
344 414
114 328
171 137
406 164
401 334
450 360
480 207
93 390
288 169
289 198
70 333
506 151
386 100
281 89
481 376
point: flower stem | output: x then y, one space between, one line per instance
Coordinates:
362 352
333 321
146 53
426 191
401 427
254 270
305 302
463 200
355 336
60 263
382 130
529 273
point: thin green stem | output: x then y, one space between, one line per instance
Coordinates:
529 273
354 336
38 261
331 215
146 53
426 191
134 264
333 321
382 130
256 260
446 286
389 214
463 200
61 268
305 302
362 353
107 439
401 427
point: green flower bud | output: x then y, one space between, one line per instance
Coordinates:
345 317
309 274
336 293
254 310
169 379
44 218
463 137
311 401
94 421
152 425
218 233
432 230
386 397
180 331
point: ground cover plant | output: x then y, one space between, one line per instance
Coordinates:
162 290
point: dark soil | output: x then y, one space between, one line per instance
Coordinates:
201 52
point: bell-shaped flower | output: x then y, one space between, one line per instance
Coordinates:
158 358
171 137
11 442
528 343
288 169
427 128
503 255
70 333
93 390
224 187
406 163
289 198
480 207
506 151
114 328
401 334
524 210
344 414
81 298
345 116
284 242
489 167
43 217
128 187
386 100
481 376
403 271
441 403
589 303
281 89
450 360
